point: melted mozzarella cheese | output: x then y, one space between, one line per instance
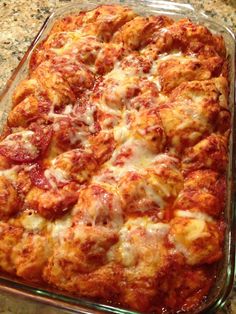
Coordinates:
156 80
21 140
176 55
121 73
32 221
68 109
24 136
69 43
147 224
195 229
140 157
106 205
56 175
121 133
117 214
190 232
128 253
179 247
10 174
59 227
79 136
118 74
188 116
154 196
191 214
128 250
153 77
106 109
120 80
171 55
88 116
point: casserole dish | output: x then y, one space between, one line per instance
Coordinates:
224 275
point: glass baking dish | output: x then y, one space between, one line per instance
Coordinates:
224 280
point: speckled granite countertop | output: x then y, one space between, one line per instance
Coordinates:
19 23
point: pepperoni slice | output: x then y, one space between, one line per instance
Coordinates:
38 178
27 145
42 138
46 179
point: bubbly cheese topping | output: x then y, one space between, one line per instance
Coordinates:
139 157
170 55
59 228
121 72
96 170
104 206
23 138
79 136
185 239
195 229
69 42
10 174
154 196
146 223
55 176
32 221
122 131
190 214
88 117
130 250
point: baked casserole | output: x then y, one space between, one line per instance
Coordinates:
113 161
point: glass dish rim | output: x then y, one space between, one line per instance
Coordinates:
80 305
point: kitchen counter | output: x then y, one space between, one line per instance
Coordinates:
19 23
